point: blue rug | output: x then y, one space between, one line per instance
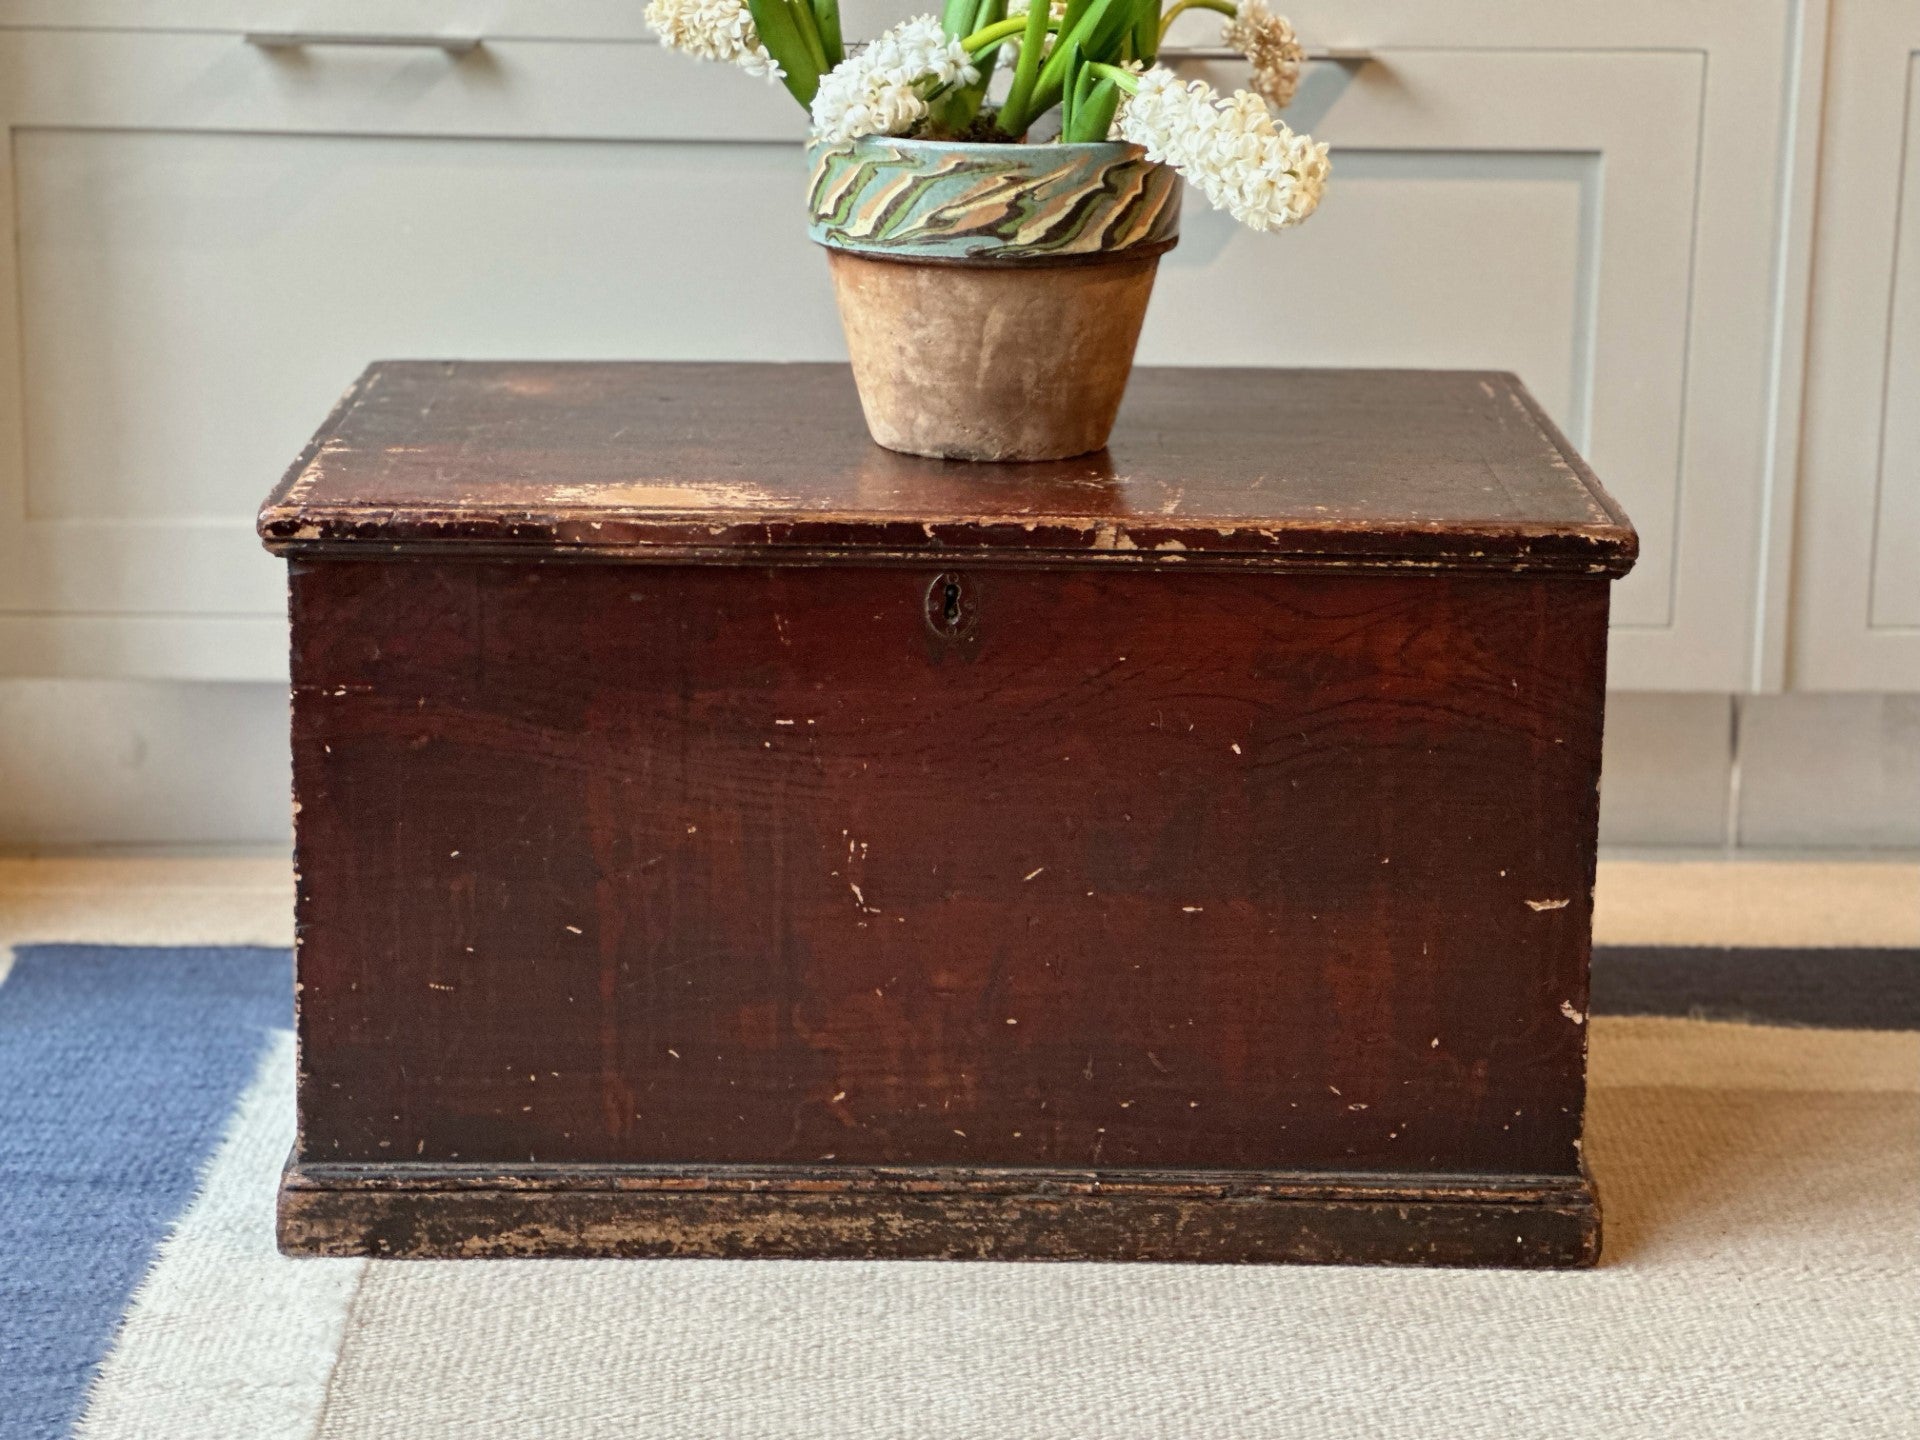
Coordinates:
119 1069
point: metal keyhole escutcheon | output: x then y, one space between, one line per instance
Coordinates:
950 607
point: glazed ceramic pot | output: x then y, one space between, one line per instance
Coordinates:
992 295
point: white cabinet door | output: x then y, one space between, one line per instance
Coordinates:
212 240
1857 590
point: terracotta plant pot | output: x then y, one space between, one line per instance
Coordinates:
992 294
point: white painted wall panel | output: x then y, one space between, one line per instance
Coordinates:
1830 771
1666 775
146 764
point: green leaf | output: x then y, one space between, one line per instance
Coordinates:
1047 91
826 17
1106 40
809 25
1146 31
1070 73
1093 115
780 32
1085 77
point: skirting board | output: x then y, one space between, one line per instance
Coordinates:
800 1212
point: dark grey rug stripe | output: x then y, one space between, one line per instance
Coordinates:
1832 989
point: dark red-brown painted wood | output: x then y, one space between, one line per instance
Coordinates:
763 463
837 1212
670 894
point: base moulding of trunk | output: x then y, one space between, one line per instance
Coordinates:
428 1211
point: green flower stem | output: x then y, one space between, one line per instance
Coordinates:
1125 79
994 34
1015 115
1223 7
985 16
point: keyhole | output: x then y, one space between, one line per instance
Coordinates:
950 607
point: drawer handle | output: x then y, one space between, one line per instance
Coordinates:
1346 56
453 45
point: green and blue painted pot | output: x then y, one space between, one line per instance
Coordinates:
991 295
990 204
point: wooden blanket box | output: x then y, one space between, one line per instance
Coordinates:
720 836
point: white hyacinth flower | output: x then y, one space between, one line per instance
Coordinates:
1243 160
883 89
1272 49
713 30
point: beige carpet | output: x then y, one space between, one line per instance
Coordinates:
1762 1279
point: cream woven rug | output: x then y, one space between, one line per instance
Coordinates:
1762 1271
